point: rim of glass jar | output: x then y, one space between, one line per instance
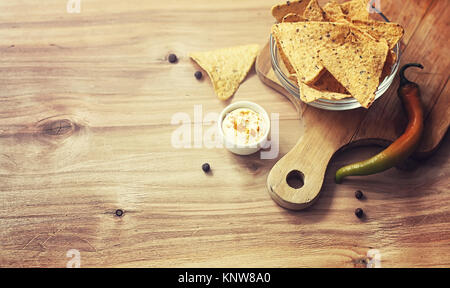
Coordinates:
343 104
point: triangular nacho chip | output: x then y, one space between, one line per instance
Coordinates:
388 65
392 32
285 59
328 83
310 94
227 67
301 41
313 12
326 87
357 65
356 10
296 7
333 11
292 17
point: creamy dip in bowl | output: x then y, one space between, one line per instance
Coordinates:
244 127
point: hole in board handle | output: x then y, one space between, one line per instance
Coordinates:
295 179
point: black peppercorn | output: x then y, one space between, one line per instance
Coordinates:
359 194
206 168
198 75
359 213
173 58
119 212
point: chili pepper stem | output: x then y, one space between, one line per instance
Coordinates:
403 79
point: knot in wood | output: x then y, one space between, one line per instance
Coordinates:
58 127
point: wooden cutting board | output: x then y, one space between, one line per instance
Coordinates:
296 180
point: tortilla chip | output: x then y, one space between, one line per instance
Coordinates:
357 35
356 10
310 94
296 7
300 42
328 83
357 65
313 12
292 17
293 78
388 65
333 11
392 32
285 59
227 67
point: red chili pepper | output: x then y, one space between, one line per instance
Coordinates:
405 145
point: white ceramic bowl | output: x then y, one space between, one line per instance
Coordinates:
248 148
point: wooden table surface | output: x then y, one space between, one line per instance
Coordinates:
88 101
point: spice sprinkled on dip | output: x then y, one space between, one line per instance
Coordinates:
244 126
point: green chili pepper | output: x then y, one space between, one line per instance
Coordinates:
405 145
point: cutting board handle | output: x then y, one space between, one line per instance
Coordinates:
296 179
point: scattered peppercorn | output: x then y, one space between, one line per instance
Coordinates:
359 194
173 58
206 168
198 75
359 213
119 212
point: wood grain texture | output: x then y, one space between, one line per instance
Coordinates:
87 101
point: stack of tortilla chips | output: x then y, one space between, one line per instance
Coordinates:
335 51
